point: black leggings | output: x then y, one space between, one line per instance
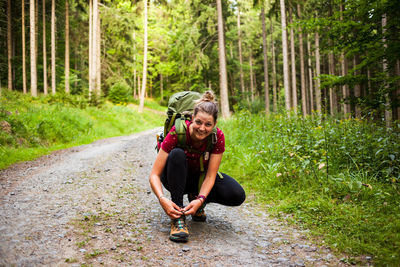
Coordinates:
178 180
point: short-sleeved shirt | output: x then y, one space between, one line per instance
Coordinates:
193 159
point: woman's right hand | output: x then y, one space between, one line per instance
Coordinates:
170 208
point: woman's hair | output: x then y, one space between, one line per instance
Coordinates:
207 104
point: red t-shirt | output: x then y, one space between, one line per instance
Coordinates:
171 141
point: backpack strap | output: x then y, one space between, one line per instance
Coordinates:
180 128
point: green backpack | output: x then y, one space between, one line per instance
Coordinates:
180 109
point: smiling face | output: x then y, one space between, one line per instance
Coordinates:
202 126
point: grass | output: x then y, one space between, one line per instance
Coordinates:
339 178
32 127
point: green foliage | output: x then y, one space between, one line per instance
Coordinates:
31 127
119 93
338 177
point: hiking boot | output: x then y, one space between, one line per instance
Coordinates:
179 231
200 215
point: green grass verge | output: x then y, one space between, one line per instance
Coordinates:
339 178
31 127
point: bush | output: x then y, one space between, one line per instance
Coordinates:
119 93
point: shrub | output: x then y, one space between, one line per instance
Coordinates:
119 93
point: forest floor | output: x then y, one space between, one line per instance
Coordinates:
92 205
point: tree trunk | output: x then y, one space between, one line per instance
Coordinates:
302 69
134 65
274 89
66 47
144 78
357 89
36 28
23 50
317 73
310 75
293 60
265 54
90 48
344 67
53 47
240 53
45 91
9 46
332 89
222 64
388 109
285 56
33 45
98 53
161 87
251 77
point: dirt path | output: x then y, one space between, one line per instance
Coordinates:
92 205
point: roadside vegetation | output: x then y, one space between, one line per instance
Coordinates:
338 177
32 127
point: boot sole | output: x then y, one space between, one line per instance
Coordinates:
178 238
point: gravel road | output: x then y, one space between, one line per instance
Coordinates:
92 206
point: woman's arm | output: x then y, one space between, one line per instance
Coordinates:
170 208
209 180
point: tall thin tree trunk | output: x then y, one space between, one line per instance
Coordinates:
53 47
90 47
37 28
222 64
332 89
302 69
357 89
9 45
388 109
317 73
274 87
265 54
144 78
310 75
32 47
134 65
240 53
293 61
98 53
66 47
251 77
285 56
23 49
344 67
44 49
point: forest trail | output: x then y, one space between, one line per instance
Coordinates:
93 205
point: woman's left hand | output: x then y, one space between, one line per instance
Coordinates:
193 206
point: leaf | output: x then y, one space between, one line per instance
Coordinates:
392 157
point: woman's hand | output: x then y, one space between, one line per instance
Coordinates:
193 206
170 208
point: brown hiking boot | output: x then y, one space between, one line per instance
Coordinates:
200 215
179 231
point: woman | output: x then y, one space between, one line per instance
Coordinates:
179 171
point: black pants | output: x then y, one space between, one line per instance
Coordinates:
178 180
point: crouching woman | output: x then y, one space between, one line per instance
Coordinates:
179 170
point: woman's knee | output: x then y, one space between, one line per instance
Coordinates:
238 196
177 156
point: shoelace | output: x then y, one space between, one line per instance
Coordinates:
180 223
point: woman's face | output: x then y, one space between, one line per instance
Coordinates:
202 126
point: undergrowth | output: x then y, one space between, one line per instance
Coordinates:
339 178
31 127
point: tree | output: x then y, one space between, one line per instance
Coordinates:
144 78
265 57
274 87
53 47
310 75
66 47
317 73
293 60
388 110
23 50
302 69
44 49
9 46
222 63
285 56
33 49
240 52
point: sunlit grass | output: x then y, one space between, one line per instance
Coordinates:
339 178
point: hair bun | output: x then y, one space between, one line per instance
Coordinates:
208 96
